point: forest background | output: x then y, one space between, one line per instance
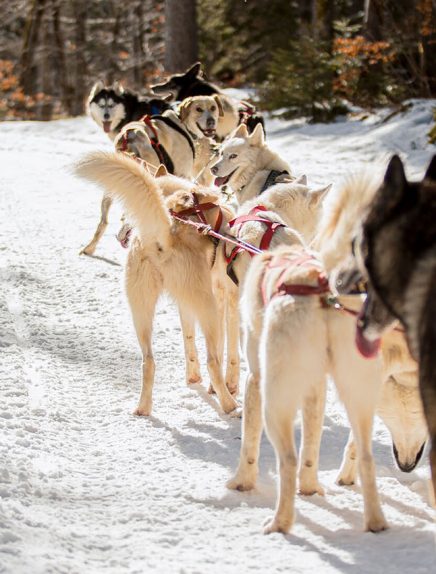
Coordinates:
317 58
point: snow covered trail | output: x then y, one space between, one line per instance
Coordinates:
86 487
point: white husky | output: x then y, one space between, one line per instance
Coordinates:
247 165
301 339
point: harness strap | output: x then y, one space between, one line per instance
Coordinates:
282 288
252 215
271 179
172 124
161 152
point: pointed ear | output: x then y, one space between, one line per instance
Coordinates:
395 182
318 195
97 87
257 138
194 70
161 171
431 170
184 109
219 104
301 179
118 89
240 132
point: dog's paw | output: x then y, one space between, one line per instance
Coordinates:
277 525
142 411
88 250
345 480
237 413
230 405
193 379
311 489
211 390
376 523
233 388
242 484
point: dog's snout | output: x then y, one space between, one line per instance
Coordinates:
106 116
210 123
214 170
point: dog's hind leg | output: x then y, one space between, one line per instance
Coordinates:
211 325
348 471
191 356
143 287
279 415
313 416
106 202
246 474
232 330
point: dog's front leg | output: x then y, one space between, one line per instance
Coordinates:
313 416
348 471
106 202
191 357
232 329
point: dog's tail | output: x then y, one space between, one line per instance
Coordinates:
127 180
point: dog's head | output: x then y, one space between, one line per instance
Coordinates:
236 154
177 82
201 114
105 105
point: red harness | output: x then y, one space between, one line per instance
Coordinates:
298 260
271 228
198 209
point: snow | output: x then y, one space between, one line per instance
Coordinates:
87 487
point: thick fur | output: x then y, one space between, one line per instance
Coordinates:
191 84
294 204
300 342
399 247
168 255
112 107
245 162
209 116
399 406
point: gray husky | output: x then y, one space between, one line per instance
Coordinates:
399 252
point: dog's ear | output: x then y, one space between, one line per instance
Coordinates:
194 70
240 132
302 179
118 88
184 109
161 171
431 170
219 104
395 182
257 138
318 195
97 87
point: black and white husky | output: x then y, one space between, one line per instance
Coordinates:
112 107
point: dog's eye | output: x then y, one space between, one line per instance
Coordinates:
199 110
213 108
233 156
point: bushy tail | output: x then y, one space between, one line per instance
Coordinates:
127 180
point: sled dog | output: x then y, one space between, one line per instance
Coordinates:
169 255
191 83
205 116
399 253
112 107
399 404
286 314
247 165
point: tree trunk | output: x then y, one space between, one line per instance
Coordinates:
181 46
33 24
80 75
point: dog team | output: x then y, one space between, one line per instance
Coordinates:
315 282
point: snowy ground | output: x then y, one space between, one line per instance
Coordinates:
85 487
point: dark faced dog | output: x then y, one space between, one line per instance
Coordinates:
112 107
